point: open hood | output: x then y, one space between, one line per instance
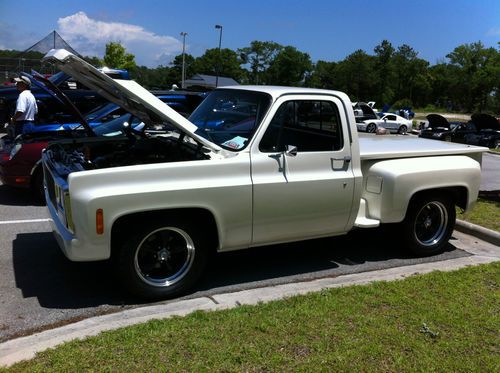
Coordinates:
436 120
485 121
40 84
126 93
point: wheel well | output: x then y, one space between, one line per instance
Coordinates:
200 216
459 194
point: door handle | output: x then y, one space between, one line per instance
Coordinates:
345 163
346 159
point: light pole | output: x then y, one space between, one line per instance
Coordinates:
183 34
218 58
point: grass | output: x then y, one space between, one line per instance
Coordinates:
485 213
440 322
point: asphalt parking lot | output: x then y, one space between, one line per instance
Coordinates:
40 288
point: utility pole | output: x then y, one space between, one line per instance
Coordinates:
217 69
183 34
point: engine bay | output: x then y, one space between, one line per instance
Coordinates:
97 153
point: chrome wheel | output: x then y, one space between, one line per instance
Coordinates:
431 223
164 257
371 128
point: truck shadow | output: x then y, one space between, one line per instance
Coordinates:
42 271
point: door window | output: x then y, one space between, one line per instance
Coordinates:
311 126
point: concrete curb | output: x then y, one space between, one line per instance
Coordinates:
485 234
23 348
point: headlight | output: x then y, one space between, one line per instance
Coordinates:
437 134
15 150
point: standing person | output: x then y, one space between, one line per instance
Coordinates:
26 107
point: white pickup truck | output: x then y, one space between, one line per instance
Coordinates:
253 166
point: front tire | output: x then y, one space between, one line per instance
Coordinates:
162 260
403 130
429 223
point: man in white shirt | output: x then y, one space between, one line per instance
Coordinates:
26 107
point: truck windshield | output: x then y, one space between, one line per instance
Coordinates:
229 117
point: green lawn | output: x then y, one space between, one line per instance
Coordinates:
485 213
440 322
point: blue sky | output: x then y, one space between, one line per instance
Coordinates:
326 30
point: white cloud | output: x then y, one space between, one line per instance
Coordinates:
89 37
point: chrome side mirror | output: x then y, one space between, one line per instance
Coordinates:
291 150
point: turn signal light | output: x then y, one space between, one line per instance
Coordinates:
99 221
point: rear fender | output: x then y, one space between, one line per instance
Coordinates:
389 185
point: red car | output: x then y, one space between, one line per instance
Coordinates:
20 165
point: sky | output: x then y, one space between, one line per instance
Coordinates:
327 30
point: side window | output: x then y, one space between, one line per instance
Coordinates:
311 126
391 117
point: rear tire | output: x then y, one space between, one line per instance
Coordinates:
429 223
162 259
371 128
403 130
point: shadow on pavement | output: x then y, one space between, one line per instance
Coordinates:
42 271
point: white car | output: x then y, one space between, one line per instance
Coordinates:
391 122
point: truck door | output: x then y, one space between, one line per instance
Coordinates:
302 174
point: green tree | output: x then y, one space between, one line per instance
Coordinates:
259 56
476 74
94 61
324 75
289 68
227 64
355 76
117 57
176 67
384 71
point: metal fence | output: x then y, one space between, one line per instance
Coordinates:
11 67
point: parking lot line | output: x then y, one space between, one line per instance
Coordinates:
24 221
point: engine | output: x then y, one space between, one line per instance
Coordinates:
91 154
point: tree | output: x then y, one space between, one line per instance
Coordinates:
323 76
409 72
177 66
117 57
384 71
259 55
228 64
474 77
355 76
289 68
94 61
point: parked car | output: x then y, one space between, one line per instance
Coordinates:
158 206
363 111
439 128
48 107
20 158
488 133
482 129
391 122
